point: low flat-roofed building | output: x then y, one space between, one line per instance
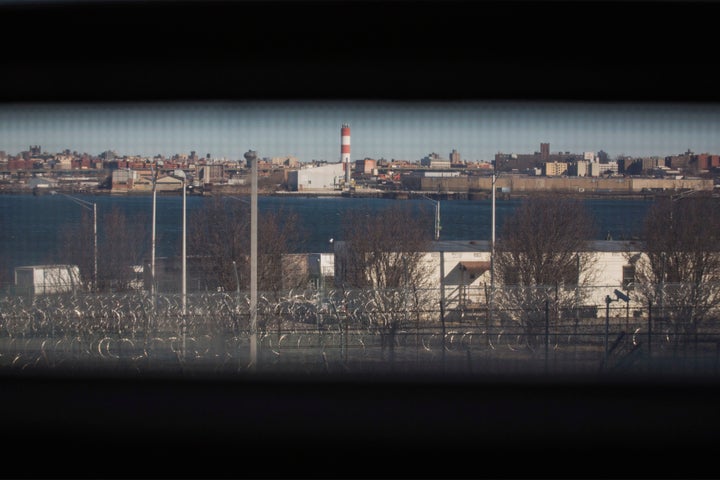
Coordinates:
463 268
47 279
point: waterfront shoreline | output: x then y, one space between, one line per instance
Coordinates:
385 194
32 225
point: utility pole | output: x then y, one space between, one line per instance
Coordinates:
154 222
492 250
184 265
437 217
251 156
442 279
608 300
437 220
184 248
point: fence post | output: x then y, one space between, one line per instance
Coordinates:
607 329
442 305
547 333
649 329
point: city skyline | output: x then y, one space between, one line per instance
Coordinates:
310 130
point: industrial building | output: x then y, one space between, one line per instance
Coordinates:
316 178
328 177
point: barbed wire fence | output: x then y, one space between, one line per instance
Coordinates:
349 331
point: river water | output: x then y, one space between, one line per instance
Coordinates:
30 225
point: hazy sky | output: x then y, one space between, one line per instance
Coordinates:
310 130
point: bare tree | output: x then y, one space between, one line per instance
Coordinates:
76 244
679 272
6 275
122 247
381 259
542 260
219 239
121 250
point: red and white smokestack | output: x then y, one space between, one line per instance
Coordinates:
345 150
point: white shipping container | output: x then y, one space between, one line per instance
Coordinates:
44 279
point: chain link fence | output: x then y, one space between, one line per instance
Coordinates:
348 332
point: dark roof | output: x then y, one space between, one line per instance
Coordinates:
484 246
460 246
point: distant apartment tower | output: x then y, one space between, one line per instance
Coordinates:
434 161
455 157
286 161
595 169
211 174
705 161
555 169
579 169
544 151
611 167
366 166
590 156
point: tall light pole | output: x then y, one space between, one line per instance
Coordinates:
492 237
184 247
184 264
437 220
492 246
437 216
442 270
154 221
251 156
89 206
608 300
95 248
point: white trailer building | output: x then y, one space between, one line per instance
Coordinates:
46 279
463 267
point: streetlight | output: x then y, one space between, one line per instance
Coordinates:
442 271
620 296
184 264
184 246
85 204
492 248
437 216
154 209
